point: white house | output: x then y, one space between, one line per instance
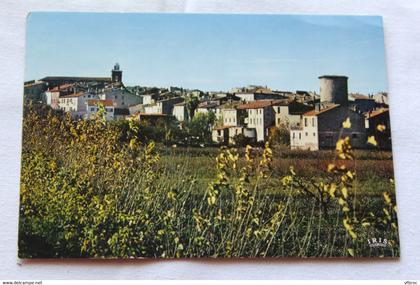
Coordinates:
207 106
163 107
93 106
180 112
259 93
226 134
289 114
149 98
121 97
75 103
260 116
321 128
230 117
51 97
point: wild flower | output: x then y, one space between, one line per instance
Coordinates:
97 189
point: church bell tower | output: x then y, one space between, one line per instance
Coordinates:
116 74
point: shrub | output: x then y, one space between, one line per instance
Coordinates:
95 189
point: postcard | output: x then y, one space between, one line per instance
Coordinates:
206 135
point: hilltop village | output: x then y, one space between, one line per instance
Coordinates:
312 121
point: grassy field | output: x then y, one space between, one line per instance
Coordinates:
373 168
95 189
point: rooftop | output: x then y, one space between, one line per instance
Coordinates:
107 103
376 113
208 104
316 113
332 76
75 78
78 94
36 83
258 104
62 87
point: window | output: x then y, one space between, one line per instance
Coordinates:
354 135
293 134
306 133
306 122
314 134
92 109
116 96
313 122
300 135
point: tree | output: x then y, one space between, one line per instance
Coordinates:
199 128
191 104
280 135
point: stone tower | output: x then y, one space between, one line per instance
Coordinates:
116 73
333 89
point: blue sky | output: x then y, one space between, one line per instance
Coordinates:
209 51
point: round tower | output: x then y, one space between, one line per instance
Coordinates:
116 73
333 89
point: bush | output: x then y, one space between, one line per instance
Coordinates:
94 189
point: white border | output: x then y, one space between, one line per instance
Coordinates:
402 37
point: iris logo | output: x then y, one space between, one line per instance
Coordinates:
378 242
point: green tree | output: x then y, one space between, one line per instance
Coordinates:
199 128
191 104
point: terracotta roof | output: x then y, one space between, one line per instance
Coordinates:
257 104
316 113
108 103
78 94
376 113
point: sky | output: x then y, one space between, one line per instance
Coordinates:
211 52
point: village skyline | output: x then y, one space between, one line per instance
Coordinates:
187 54
130 150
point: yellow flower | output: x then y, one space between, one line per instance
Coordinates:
372 141
347 124
381 128
332 190
331 167
387 198
345 193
